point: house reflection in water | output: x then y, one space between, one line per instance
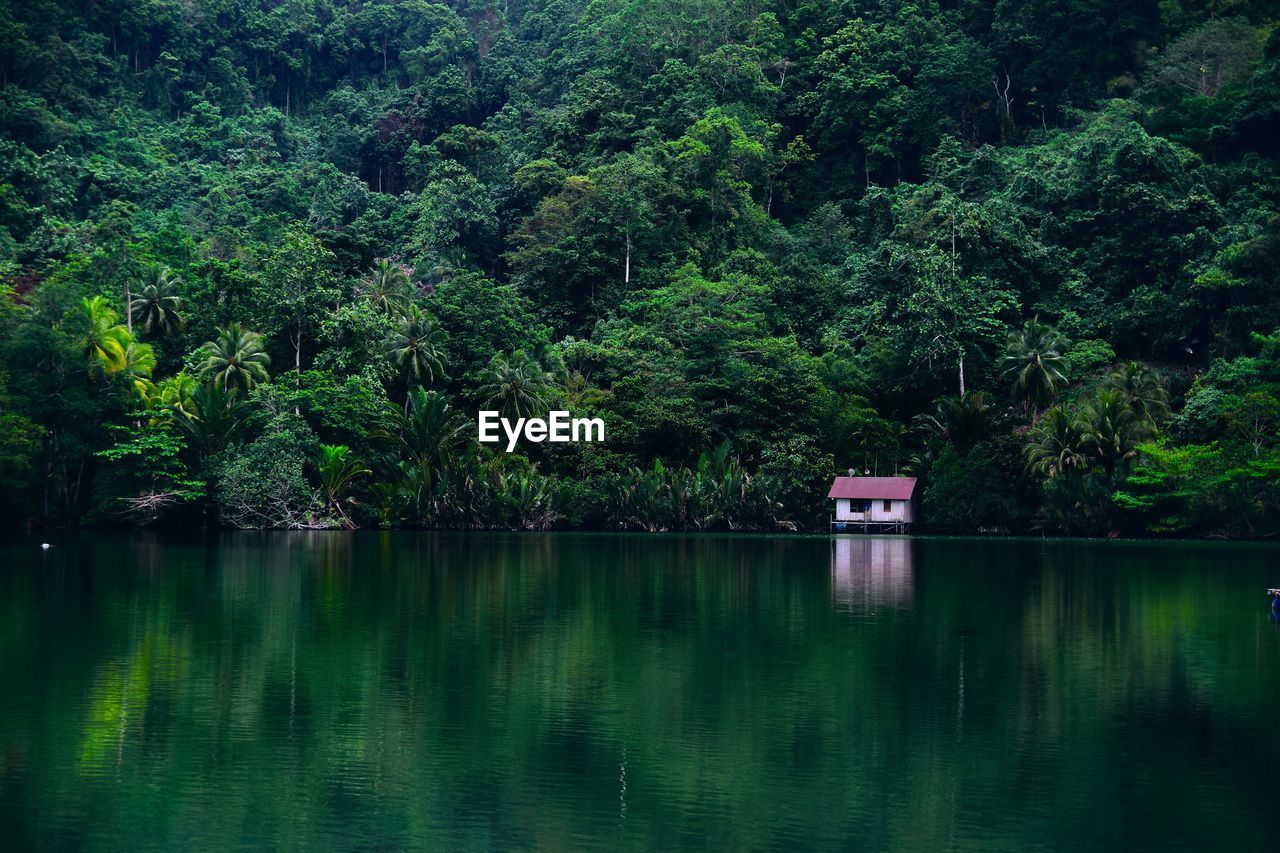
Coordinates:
868 572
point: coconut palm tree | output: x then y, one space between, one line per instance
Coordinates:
235 360
139 362
155 307
516 387
1054 447
337 467
105 341
139 359
1034 358
387 285
1143 388
1110 430
413 346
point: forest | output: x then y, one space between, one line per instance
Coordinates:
263 261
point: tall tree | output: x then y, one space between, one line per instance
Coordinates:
235 360
1035 359
105 341
296 289
156 307
413 346
515 386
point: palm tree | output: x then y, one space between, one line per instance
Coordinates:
1143 388
214 420
139 359
1034 358
426 430
1111 430
1054 447
962 421
105 341
156 308
413 347
515 387
387 285
139 362
337 467
235 360
171 396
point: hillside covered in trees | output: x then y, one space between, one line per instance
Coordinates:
262 262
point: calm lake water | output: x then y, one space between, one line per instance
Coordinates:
377 691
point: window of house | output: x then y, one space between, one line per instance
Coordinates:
888 506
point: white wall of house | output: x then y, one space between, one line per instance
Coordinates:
897 510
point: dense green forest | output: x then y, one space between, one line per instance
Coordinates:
263 261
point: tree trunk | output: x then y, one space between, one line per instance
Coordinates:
128 308
297 365
346 521
961 374
626 270
953 245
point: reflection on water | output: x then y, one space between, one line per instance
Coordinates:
868 572
320 691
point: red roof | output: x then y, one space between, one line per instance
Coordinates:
875 488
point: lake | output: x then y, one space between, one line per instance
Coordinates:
381 691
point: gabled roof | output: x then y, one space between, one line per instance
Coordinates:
874 488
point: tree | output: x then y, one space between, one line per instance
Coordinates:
172 396
139 362
1143 388
426 429
148 476
387 285
1034 358
105 341
296 289
155 307
516 386
1055 446
262 485
1111 431
1254 419
337 467
235 360
963 421
414 346
1216 54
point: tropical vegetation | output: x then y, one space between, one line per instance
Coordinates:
261 264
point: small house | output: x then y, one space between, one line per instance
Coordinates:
873 503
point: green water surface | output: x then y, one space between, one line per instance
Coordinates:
387 691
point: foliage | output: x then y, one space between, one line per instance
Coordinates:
1030 262
1034 358
263 483
155 307
337 467
235 360
147 467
